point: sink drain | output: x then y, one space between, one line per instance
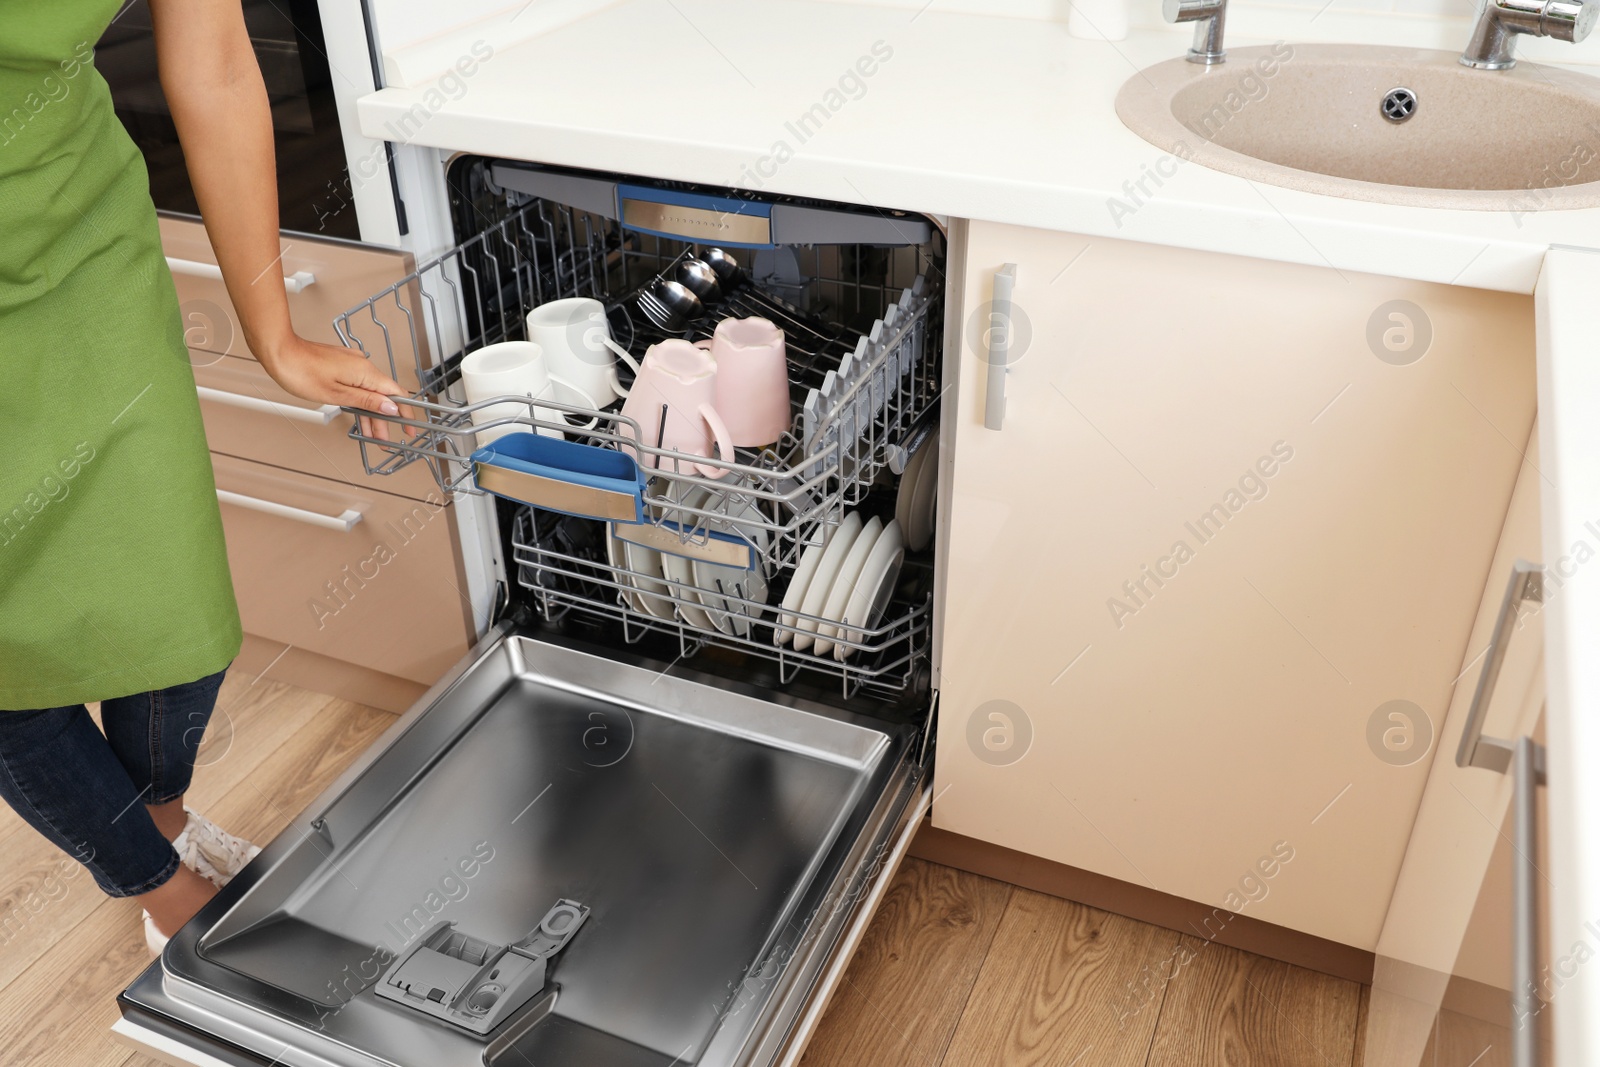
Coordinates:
1399 105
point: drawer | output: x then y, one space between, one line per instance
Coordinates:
249 415
331 277
341 570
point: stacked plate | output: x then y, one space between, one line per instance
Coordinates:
919 485
709 596
843 584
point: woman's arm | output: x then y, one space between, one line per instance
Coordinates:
219 104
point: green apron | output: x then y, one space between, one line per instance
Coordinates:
113 572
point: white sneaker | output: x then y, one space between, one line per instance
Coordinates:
212 852
154 939
209 851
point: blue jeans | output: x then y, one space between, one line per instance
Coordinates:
86 791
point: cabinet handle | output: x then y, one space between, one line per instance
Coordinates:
297 282
321 416
1527 775
998 337
343 523
1493 753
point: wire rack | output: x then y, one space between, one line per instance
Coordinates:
863 355
567 574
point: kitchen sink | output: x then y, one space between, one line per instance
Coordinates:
1394 125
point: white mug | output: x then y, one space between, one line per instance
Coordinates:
578 348
513 368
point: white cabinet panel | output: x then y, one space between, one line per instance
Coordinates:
1228 518
1569 431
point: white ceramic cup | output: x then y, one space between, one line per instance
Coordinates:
752 394
514 368
578 348
673 403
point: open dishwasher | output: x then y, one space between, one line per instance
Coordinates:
644 823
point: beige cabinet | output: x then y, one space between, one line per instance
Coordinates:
325 278
249 415
1210 586
364 577
347 583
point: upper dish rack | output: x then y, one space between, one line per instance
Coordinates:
863 358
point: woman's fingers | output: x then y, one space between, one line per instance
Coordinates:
364 376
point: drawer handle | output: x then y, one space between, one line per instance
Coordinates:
320 416
344 523
1493 753
999 340
297 282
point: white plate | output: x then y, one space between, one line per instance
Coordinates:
648 570
816 597
796 595
731 617
653 596
919 523
845 583
681 569
908 486
616 555
873 589
716 581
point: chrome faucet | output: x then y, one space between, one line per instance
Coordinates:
1208 16
1494 39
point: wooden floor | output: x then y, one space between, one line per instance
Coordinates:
963 971
956 969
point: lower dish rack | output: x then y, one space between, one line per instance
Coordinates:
567 566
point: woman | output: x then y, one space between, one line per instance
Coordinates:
113 575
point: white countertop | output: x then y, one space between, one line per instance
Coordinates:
974 116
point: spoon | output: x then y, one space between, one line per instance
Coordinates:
701 279
726 267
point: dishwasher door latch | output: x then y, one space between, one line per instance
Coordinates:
473 983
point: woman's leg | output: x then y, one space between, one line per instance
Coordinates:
156 737
61 777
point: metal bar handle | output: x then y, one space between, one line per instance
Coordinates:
297 282
320 416
1493 753
1527 774
998 337
343 523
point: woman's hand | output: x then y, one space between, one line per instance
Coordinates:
328 374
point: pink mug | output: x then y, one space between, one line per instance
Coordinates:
673 402
752 393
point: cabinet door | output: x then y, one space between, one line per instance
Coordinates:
1209 587
1569 436
1443 976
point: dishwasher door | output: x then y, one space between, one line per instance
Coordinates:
727 843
